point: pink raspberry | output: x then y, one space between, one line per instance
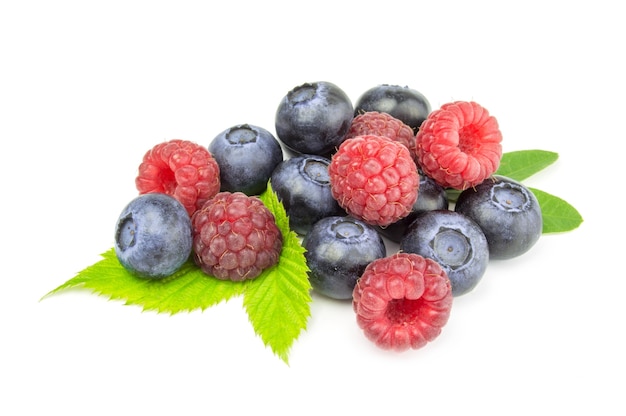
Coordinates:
402 301
182 169
459 145
383 124
374 179
235 237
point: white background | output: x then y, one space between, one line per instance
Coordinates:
86 88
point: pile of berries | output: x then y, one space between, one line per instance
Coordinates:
348 175
231 235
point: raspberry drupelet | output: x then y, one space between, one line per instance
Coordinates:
374 179
182 169
383 124
402 301
459 145
235 237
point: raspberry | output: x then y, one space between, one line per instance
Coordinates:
383 124
402 301
182 169
374 179
459 145
235 237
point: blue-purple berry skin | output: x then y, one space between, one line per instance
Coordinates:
314 118
153 236
454 241
406 104
508 213
247 155
302 184
338 249
431 196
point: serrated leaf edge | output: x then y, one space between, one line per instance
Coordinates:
291 249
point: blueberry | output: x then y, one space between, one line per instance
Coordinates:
247 155
153 236
302 185
314 118
508 213
404 103
431 196
338 249
453 240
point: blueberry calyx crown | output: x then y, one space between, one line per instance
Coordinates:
126 232
346 229
316 170
510 197
241 135
452 247
302 93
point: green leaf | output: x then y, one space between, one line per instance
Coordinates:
270 200
278 304
521 164
186 290
452 194
558 215
517 165
277 301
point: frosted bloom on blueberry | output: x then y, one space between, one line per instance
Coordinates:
153 236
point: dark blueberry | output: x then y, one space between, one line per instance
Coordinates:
338 249
404 103
247 155
302 185
453 240
314 118
153 236
508 213
431 196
